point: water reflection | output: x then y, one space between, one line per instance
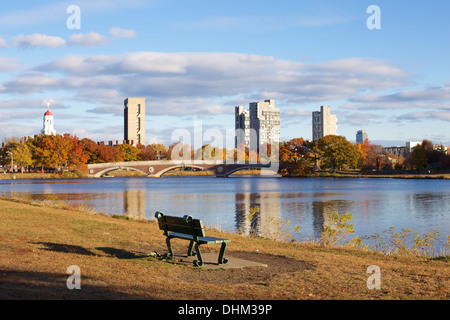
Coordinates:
263 222
321 213
134 204
376 204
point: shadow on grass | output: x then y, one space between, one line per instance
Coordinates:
120 253
65 248
30 285
113 252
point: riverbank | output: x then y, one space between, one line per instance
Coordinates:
121 173
319 174
40 242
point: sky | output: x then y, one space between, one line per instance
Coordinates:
195 60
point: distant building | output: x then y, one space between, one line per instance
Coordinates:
48 123
361 136
411 145
265 120
396 151
242 126
323 123
134 121
260 122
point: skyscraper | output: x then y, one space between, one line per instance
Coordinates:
361 136
242 126
323 123
260 122
134 120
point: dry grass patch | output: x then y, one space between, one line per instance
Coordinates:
39 243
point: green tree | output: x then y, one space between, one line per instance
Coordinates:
418 157
337 152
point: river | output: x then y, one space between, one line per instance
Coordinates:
376 204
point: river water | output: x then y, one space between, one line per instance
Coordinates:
376 204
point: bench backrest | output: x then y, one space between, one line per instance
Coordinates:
186 225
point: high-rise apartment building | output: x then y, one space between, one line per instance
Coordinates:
323 123
242 126
263 119
134 120
361 136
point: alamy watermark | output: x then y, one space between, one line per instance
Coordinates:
74 20
374 21
374 281
228 147
74 280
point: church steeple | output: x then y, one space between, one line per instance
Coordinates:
48 122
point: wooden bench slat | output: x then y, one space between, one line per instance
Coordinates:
202 240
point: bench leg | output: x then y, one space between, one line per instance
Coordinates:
169 246
190 249
222 259
199 262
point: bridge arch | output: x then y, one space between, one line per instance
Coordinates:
239 169
107 170
161 172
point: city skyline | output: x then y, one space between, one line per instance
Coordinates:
196 60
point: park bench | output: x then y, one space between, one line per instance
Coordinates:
190 229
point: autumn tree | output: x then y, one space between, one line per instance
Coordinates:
130 153
77 158
50 151
106 153
294 158
154 151
363 152
180 151
90 149
21 154
207 152
337 152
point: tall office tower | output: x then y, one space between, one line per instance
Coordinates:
265 120
361 136
323 123
134 120
242 126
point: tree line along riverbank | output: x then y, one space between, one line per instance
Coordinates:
318 174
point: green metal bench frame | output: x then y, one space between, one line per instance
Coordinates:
190 229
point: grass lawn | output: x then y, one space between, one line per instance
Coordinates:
38 243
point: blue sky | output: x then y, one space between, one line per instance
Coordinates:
196 60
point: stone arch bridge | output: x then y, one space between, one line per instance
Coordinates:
156 169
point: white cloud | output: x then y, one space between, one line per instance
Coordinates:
426 115
88 39
122 33
220 77
30 82
8 64
360 66
3 43
37 40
